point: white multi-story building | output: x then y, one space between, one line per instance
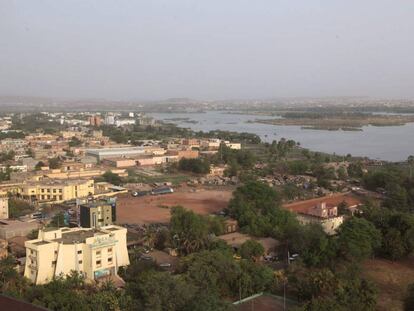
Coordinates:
91 252
123 122
4 208
110 119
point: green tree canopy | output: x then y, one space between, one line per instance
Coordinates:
358 239
251 249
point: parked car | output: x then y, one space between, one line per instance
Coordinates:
165 265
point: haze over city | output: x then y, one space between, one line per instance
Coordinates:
206 49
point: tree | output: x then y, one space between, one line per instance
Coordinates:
410 161
342 173
316 249
112 178
10 280
214 271
397 197
18 208
251 249
58 220
409 298
188 230
358 239
298 167
55 163
197 166
39 165
393 244
343 208
256 206
160 291
355 170
75 142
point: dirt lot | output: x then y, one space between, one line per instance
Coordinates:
392 279
155 209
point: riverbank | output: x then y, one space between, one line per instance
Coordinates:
345 122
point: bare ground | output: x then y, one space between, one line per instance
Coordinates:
156 209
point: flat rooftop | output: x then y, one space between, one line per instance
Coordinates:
114 150
78 236
41 243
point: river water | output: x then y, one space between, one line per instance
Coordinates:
392 143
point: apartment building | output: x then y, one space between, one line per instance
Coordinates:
94 253
10 144
97 214
95 120
4 208
52 190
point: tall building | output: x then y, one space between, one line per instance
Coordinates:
97 214
4 208
93 253
110 119
95 120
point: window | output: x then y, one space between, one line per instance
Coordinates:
110 250
53 263
98 263
48 190
80 262
56 252
110 260
54 190
98 253
80 252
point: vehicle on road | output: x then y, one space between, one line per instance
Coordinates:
162 190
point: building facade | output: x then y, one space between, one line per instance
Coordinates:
97 214
57 190
4 208
92 253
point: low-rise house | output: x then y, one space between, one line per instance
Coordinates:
210 144
119 162
323 211
188 154
236 239
235 146
94 253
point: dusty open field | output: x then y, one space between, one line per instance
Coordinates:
392 279
151 209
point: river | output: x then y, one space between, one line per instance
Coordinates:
392 143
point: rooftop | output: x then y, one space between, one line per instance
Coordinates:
55 182
78 236
302 207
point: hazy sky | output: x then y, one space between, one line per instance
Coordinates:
210 49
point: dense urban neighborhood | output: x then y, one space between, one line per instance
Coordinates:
120 211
